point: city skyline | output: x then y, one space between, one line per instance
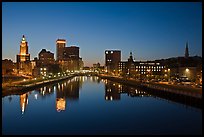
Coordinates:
141 28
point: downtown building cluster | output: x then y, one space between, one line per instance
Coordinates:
67 59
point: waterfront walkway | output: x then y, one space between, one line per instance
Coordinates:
20 87
175 89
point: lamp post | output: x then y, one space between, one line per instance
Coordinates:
187 73
169 74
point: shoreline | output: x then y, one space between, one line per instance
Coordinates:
191 97
184 95
182 90
16 90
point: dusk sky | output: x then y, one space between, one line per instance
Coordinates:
150 30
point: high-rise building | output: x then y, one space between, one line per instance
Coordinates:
71 52
23 55
71 56
23 59
68 57
60 43
112 59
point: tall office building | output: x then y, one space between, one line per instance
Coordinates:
23 55
67 57
71 52
112 59
60 43
23 59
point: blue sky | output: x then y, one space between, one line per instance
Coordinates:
151 30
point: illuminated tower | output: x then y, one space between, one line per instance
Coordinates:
23 55
23 59
186 51
60 43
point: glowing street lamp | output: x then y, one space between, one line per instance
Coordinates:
187 70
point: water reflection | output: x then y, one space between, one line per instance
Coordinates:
45 91
113 91
131 111
60 104
10 99
23 102
68 91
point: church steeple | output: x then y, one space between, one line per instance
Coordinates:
186 51
130 58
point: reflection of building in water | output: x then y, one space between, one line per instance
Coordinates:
60 97
112 91
23 101
72 89
60 104
46 90
67 90
95 79
133 92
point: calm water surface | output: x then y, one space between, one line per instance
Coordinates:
88 105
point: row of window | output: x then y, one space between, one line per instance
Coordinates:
144 70
149 67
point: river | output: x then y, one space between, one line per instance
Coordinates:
90 105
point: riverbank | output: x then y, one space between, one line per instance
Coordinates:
175 89
23 87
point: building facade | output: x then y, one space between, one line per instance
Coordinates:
60 45
7 67
68 57
140 69
46 57
112 59
24 66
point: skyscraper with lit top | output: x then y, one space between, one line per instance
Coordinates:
23 55
23 59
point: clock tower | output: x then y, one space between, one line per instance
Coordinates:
23 58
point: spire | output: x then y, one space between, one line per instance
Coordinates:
186 51
130 53
23 39
130 58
